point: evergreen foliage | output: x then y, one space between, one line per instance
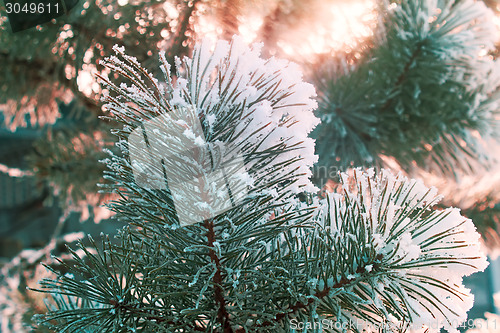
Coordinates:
418 94
48 71
55 162
421 92
376 252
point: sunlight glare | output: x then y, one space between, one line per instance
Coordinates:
338 28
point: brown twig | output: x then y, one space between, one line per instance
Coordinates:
222 315
402 77
319 295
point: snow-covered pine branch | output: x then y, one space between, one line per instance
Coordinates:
375 252
258 109
397 259
418 93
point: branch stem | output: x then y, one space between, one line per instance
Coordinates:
319 295
222 315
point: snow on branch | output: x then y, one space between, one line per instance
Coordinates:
407 258
376 252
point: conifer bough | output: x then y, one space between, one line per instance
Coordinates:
375 252
419 94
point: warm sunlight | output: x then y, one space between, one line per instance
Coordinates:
340 26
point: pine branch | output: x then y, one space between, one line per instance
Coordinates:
421 91
222 315
344 282
52 70
401 79
374 251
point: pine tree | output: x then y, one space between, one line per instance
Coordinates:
427 84
430 101
278 258
359 126
44 69
425 102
